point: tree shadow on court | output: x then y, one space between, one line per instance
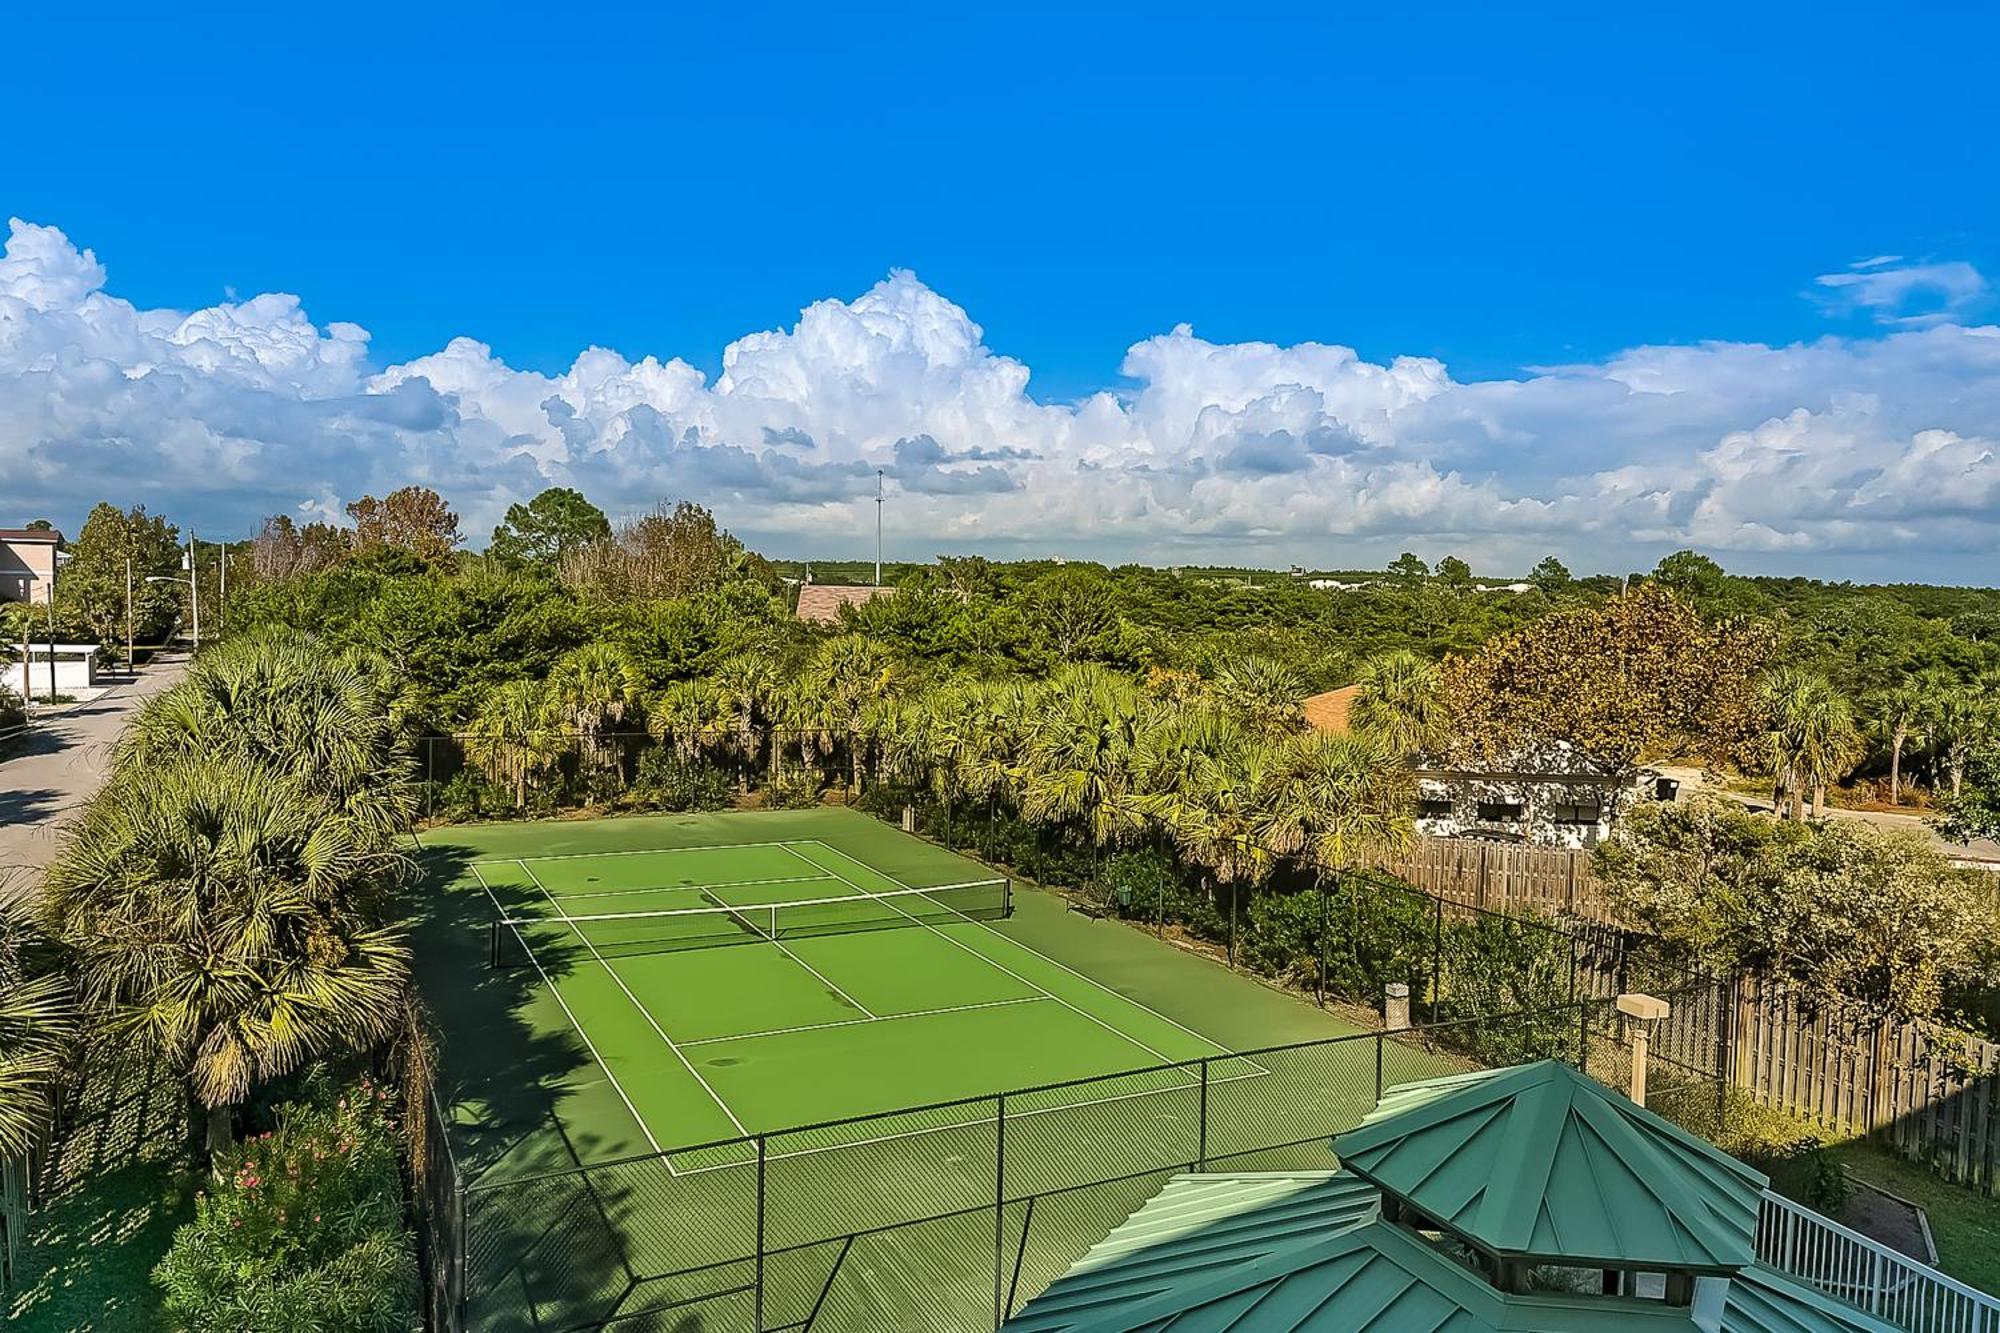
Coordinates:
545 1241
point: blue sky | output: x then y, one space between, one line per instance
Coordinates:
1493 188
1490 186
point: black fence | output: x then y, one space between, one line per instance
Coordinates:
946 1217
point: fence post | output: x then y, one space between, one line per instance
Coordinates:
762 1148
1201 1144
1322 946
1437 961
1379 1039
1235 895
999 1212
458 1287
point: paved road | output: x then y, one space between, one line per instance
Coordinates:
1982 850
59 764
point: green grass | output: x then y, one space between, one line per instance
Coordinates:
118 1187
842 1025
1964 1223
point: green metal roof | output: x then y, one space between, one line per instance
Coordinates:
1542 1162
1298 1269
1308 1254
1763 1300
1196 1227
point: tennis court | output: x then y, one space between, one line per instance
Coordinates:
673 1042
727 989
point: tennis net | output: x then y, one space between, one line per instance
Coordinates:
519 940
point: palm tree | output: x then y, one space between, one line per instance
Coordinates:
687 714
225 917
1897 716
281 699
1400 702
1203 779
37 1025
1811 732
1076 764
592 690
1956 719
850 675
509 738
1266 694
746 683
1337 802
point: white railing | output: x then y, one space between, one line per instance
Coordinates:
1884 1282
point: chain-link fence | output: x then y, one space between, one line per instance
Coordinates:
941 1217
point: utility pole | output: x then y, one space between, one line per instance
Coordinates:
222 596
194 588
55 561
878 527
130 665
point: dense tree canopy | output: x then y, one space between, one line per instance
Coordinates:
1839 907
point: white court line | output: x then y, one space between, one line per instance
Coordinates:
824 979
627 851
846 1144
1163 1057
587 1043
1206 1041
684 888
720 908
644 1012
860 1022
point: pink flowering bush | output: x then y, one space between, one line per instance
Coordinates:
301 1229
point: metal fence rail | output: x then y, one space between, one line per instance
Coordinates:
1865 1273
942 1216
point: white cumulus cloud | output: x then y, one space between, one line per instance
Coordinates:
1862 457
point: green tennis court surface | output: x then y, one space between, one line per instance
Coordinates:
658 984
732 989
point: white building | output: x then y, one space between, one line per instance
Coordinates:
28 564
75 670
1553 797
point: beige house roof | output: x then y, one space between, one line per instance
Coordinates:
820 603
1328 712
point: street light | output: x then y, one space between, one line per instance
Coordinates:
194 593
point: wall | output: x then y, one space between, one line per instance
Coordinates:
27 571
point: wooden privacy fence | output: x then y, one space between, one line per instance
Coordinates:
1503 876
1933 1098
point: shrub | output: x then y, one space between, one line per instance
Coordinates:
793 789
301 1230
666 781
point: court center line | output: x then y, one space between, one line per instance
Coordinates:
859 1022
1163 1057
588 1044
1205 1040
824 980
644 1012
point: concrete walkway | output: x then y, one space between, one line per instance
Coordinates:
52 771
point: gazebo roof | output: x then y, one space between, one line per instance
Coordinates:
1307 1254
1541 1162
